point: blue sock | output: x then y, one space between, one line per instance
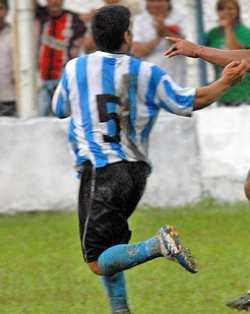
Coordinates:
123 256
115 287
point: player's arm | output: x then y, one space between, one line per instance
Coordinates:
232 74
212 55
60 100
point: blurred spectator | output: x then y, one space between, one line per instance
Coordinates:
231 34
133 5
60 33
88 44
151 27
7 88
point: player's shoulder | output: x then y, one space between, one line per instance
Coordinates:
147 71
71 62
153 68
71 65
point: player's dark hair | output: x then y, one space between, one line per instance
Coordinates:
5 3
108 27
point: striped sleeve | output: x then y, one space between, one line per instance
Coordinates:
60 101
172 97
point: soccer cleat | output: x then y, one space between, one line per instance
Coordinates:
172 248
241 304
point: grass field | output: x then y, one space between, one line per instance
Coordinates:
41 268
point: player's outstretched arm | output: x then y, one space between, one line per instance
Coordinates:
212 55
232 74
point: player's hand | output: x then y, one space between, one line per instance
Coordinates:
234 72
182 47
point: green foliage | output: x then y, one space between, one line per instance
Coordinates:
42 272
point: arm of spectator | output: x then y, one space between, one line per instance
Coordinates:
212 55
174 31
141 50
231 39
143 47
79 28
60 100
227 23
232 74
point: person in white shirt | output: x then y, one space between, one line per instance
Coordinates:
151 27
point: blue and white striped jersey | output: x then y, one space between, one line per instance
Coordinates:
113 101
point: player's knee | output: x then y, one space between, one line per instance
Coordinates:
94 267
247 189
247 186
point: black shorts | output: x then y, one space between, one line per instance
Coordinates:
107 197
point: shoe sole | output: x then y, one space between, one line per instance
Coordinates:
183 255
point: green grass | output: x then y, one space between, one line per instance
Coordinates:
41 268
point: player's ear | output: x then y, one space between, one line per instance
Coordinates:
127 39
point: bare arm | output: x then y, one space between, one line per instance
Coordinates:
232 74
144 49
208 94
212 55
223 57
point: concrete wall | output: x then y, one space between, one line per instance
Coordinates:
206 155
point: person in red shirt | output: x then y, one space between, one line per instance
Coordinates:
58 30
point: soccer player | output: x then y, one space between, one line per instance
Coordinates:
113 100
221 58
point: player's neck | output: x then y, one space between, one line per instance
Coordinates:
123 50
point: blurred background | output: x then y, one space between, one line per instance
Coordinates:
198 171
194 18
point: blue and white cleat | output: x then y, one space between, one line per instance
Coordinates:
172 248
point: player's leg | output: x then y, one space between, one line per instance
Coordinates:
243 303
116 291
124 256
104 227
115 285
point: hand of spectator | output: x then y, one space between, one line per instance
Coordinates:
227 21
173 29
181 47
160 26
234 72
